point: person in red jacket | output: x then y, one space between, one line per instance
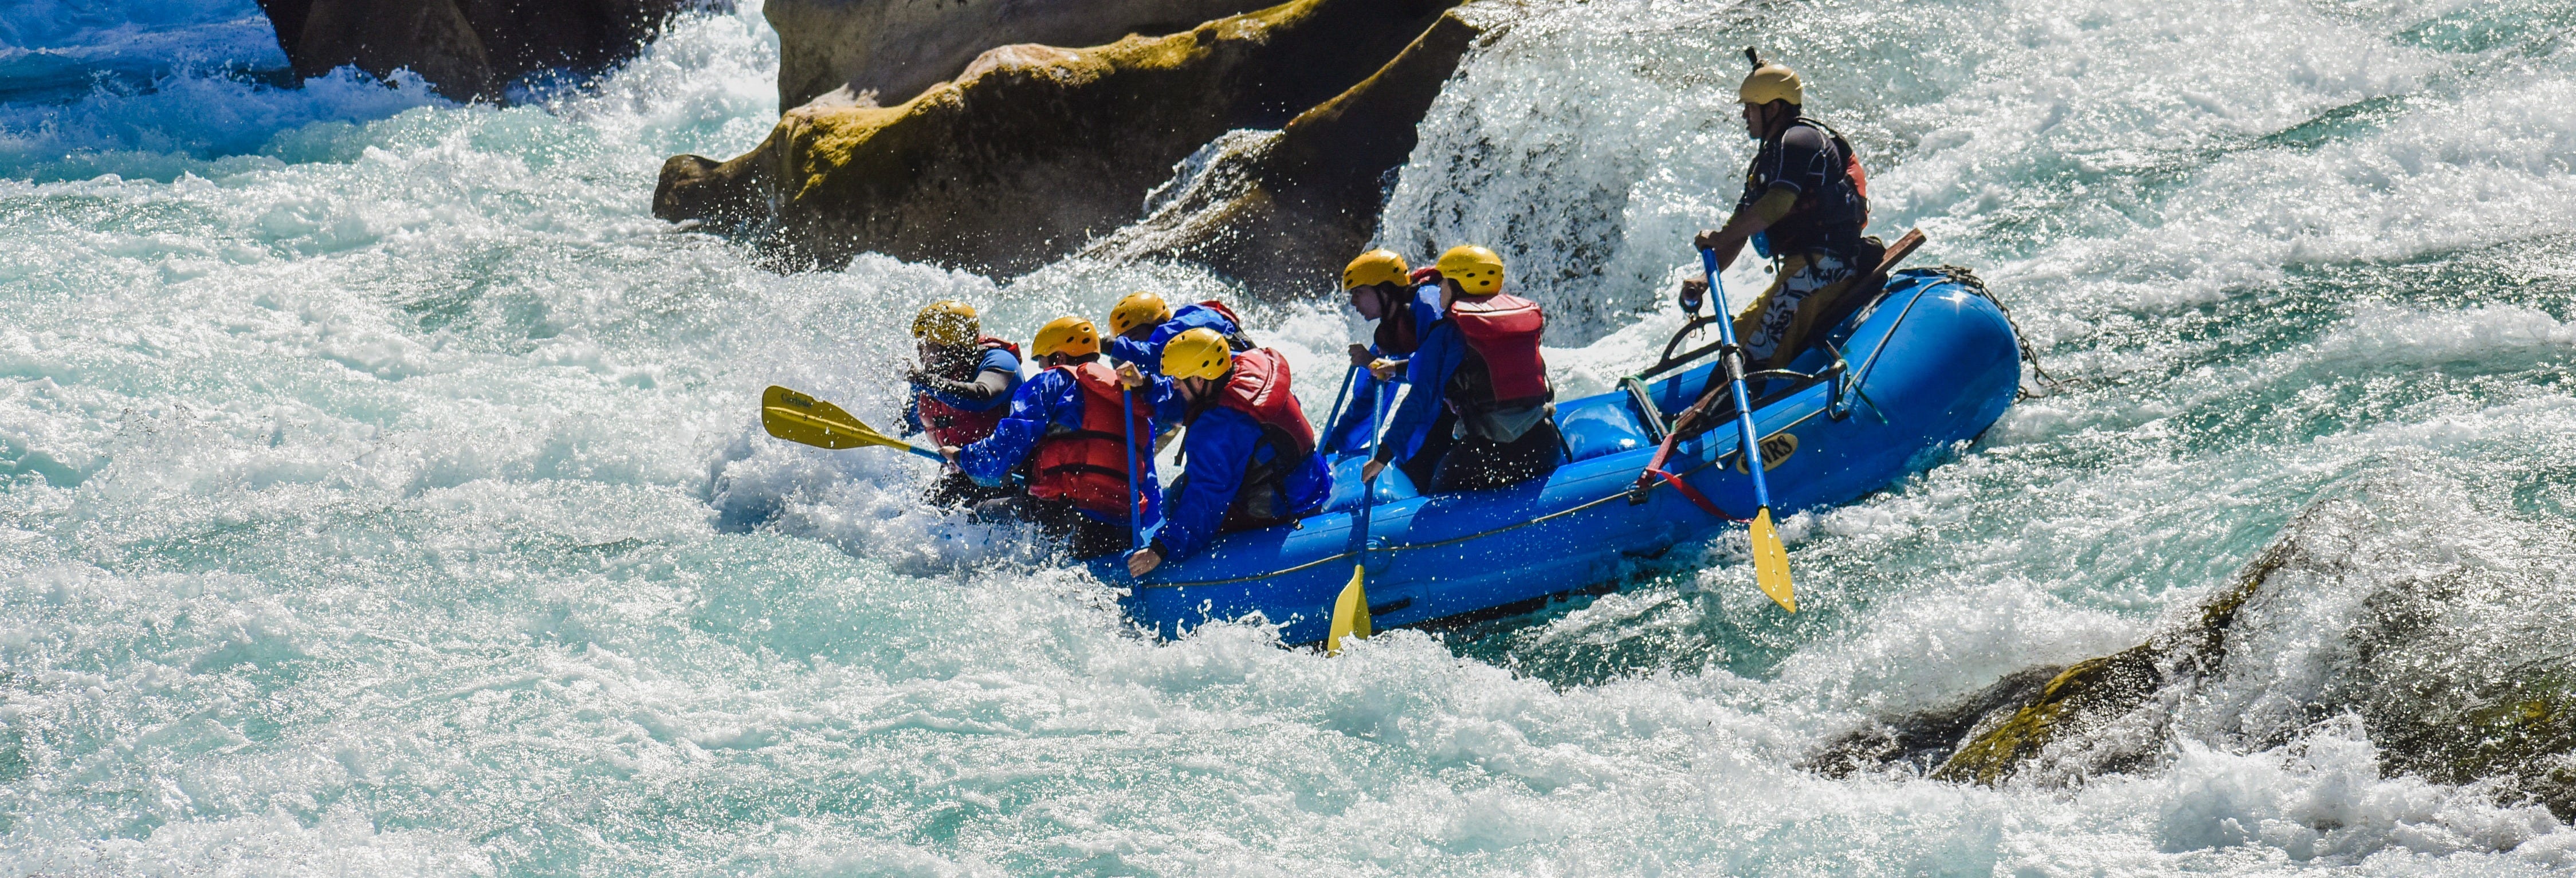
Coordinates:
960 390
1069 426
1482 359
1251 454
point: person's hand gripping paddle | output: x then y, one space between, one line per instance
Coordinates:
1350 610
803 419
1770 559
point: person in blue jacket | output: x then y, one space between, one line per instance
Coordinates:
1142 323
1381 289
1071 426
1251 454
962 388
1481 365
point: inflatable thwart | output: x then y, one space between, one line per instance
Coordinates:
1899 384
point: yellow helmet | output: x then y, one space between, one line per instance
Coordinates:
947 323
1374 267
1138 309
1198 353
1772 82
1477 270
1068 335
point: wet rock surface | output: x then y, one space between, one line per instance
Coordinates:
2432 632
886 51
1036 151
466 49
1282 211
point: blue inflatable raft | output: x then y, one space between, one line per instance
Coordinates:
1902 383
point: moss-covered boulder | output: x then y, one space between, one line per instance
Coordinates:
886 51
1033 151
467 49
2432 621
1283 211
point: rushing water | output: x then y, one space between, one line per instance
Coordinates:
382 495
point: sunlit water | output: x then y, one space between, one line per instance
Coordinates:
383 497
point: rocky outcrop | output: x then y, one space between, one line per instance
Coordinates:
886 51
1283 211
467 49
1034 151
2368 609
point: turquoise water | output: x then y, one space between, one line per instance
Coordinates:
382 492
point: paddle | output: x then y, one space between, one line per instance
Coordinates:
1135 511
1770 559
1350 610
803 419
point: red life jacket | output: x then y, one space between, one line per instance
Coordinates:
950 425
1259 389
1088 465
1501 331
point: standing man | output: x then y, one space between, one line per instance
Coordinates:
961 388
1805 201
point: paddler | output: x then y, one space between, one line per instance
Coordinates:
960 389
1070 424
1480 363
1251 458
1142 323
1381 288
1804 203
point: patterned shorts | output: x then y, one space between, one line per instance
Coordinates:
1774 318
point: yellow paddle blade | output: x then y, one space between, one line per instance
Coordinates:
803 419
1350 613
1771 562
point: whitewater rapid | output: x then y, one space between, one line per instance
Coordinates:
380 491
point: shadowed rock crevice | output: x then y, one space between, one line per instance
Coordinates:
1035 151
1281 211
466 49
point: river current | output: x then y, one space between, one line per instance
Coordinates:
380 491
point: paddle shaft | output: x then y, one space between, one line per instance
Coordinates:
1135 522
1734 359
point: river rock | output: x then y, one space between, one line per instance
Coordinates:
466 49
1282 211
2425 624
1034 151
890 50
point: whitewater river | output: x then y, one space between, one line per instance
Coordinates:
380 492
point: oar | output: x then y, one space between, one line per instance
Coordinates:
1135 517
799 418
1350 610
1770 559
1334 421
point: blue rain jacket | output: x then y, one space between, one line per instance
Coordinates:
1350 435
1428 372
995 360
1148 354
1218 447
1048 399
